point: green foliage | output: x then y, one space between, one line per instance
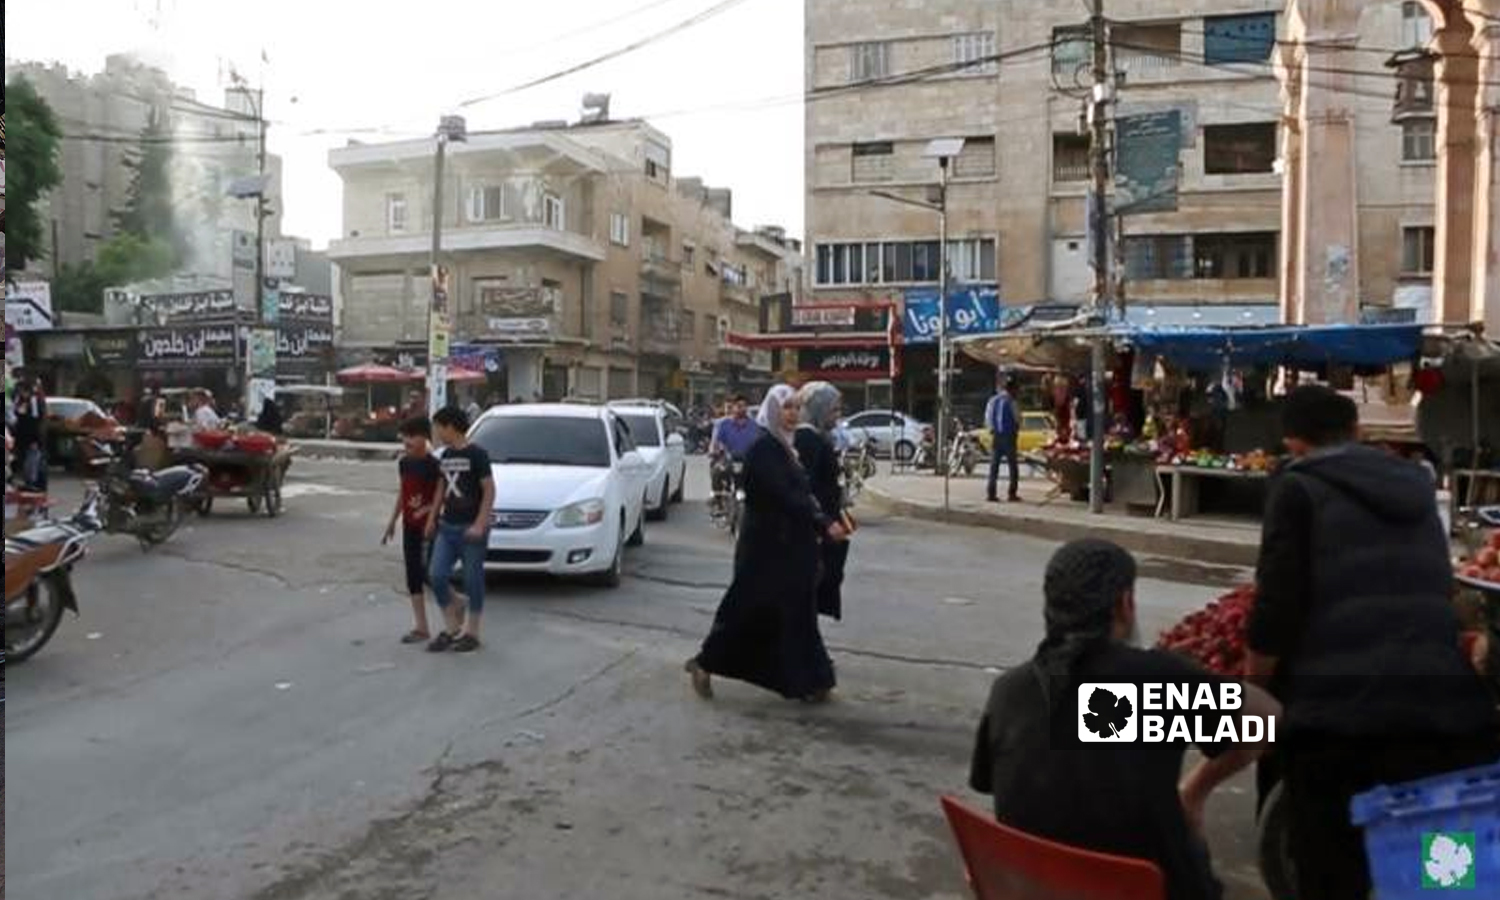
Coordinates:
123 259
31 170
150 210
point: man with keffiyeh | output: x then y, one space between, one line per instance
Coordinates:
1118 798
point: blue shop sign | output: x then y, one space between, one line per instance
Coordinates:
970 311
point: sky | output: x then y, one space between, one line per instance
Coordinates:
397 67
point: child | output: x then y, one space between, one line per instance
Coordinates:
420 479
459 526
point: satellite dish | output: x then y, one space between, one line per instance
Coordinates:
595 108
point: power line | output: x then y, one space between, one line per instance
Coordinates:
719 8
1231 67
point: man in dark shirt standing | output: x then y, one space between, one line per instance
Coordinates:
1354 631
1117 798
459 528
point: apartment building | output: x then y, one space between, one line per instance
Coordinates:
103 115
573 250
1012 81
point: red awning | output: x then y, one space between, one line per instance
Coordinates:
373 374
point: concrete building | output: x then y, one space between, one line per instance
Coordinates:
573 249
1012 80
102 116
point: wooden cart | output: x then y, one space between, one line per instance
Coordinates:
256 477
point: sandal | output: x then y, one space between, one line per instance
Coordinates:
703 684
442 642
415 637
467 643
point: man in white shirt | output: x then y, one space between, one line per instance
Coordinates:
204 417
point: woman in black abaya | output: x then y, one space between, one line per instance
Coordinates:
766 629
821 407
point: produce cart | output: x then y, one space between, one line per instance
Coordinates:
23 509
252 467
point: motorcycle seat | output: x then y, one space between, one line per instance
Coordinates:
24 561
163 484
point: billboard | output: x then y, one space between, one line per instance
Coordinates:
970 311
188 347
1146 161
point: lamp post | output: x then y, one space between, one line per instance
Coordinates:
247 188
439 327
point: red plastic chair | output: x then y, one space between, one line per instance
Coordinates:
1006 864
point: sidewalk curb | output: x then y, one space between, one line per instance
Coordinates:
1173 546
350 453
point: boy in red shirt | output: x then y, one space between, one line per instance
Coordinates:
420 476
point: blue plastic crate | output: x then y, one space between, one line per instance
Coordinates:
1399 822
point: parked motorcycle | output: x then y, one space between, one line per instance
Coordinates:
726 505
857 466
149 505
963 452
38 578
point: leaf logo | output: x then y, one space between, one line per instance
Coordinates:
1107 713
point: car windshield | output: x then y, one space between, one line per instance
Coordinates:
544 441
643 429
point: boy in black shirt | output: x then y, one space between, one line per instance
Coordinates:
459 527
1118 798
420 478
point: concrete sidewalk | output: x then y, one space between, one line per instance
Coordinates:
1206 539
363 451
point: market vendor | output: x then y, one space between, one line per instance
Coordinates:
201 411
1354 631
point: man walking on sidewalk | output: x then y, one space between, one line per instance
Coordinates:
1005 429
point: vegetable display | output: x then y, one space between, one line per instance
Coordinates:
1215 636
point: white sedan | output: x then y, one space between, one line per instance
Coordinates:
662 448
570 490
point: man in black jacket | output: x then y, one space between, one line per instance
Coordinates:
1353 630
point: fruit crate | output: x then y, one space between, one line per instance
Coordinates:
1440 833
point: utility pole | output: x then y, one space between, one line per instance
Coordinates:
258 314
1099 232
941 450
450 128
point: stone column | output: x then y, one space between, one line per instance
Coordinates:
1288 64
1484 304
1456 77
1326 187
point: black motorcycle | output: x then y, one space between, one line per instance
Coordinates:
149 505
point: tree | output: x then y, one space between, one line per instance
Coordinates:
124 259
150 211
31 170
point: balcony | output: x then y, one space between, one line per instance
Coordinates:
731 355
523 236
659 268
661 333
737 293
1414 85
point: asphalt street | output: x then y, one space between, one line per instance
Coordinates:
232 717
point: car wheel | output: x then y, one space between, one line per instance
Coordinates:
611 577
660 513
905 451
638 537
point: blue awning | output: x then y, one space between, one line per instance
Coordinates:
1305 347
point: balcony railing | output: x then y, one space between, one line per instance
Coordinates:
660 267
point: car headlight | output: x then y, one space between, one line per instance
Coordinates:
580 515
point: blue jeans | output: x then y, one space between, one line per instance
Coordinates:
449 545
1004 448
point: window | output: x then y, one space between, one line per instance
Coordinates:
1158 256
1072 49
1419 140
619 229
1070 157
395 213
688 253
1416 25
1239 149
873 161
553 212
658 162
1231 256
689 325
1239 39
711 330
619 309
1145 47
904 262
977 48
553 441
1418 250
869 61
486 204
977 160
723 331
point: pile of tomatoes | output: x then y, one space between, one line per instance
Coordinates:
1215 636
1485 563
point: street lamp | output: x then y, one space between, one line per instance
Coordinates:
439 327
244 189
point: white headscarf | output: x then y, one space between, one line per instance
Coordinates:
769 417
819 400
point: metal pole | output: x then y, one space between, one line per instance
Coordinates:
437 249
940 452
1100 232
259 314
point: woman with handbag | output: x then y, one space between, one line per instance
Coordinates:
766 629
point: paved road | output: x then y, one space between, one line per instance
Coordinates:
233 718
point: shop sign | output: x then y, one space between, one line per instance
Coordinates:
822 317
969 312
519 329
873 362
300 342
312 309
188 347
110 349
198 306
28 306
1150 145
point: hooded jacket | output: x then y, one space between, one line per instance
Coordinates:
1354 584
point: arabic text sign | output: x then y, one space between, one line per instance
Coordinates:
110 349
822 316
1147 167
28 306
302 343
969 312
311 309
834 363
198 306
188 347
515 329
